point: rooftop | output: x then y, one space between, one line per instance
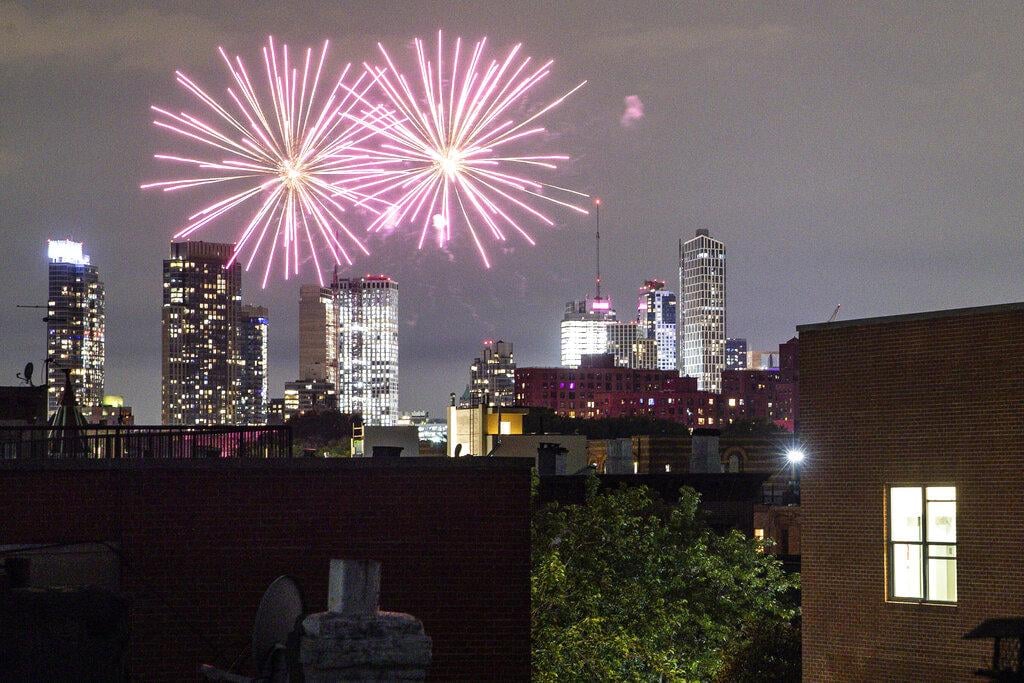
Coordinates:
908 317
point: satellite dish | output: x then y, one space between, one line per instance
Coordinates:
280 608
458 449
26 375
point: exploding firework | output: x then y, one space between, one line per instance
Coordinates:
448 151
287 161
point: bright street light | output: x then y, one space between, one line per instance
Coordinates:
795 456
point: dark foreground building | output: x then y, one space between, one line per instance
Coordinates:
192 544
912 492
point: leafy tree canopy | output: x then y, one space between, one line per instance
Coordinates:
627 587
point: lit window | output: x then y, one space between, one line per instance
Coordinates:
922 543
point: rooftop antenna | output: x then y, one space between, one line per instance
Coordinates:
597 212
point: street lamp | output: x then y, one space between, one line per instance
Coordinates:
795 456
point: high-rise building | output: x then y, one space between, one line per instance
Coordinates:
585 329
702 289
368 348
656 314
251 406
735 353
304 397
492 376
626 341
201 306
318 334
75 322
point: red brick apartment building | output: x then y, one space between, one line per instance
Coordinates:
598 389
912 491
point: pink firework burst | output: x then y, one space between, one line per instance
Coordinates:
286 154
448 151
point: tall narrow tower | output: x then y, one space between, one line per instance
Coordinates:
702 289
251 404
75 323
584 327
368 348
201 308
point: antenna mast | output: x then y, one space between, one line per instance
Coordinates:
597 211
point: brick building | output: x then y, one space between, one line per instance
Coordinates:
911 491
193 544
598 389
763 395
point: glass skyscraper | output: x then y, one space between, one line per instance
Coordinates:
656 315
251 407
200 322
702 291
368 348
75 323
584 329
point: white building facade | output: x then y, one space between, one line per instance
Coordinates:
702 290
367 319
584 329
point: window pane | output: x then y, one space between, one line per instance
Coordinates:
906 571
942 522
942 580
905 513
946 551
941 493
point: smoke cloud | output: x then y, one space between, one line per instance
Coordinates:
634 111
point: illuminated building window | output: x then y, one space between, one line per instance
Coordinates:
922 543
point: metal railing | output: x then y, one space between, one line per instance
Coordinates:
143 442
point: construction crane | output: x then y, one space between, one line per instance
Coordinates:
835 313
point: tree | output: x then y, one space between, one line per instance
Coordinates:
326 432
627 587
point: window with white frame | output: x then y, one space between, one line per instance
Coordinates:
922 543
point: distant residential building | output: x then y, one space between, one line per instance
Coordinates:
702 293
762 360
318 334
433 431
348 338
251 405
112 412
75 325
626 341
762 395
275 411
656 315
304 397
492 375
599 389
735 353
201 307
368 348
584 329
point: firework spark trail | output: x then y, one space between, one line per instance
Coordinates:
294 160
443 158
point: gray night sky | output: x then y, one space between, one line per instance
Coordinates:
870 156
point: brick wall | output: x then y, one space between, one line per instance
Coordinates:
202 540
924 399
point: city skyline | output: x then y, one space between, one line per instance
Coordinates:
865 195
